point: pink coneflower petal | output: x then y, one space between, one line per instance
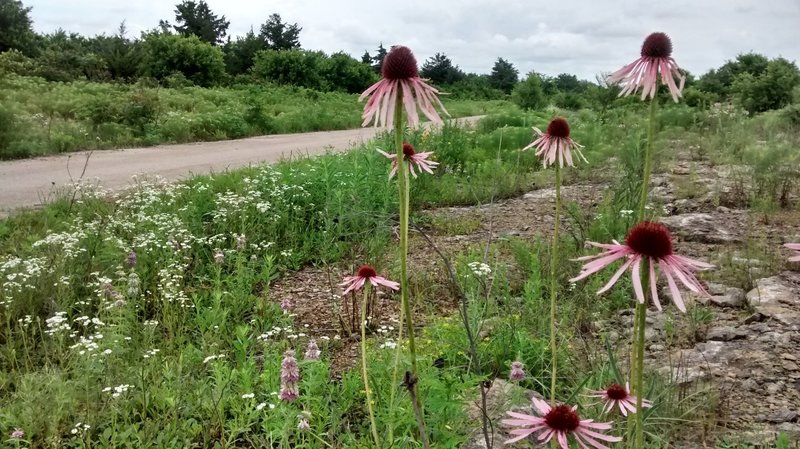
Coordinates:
652 243
414 159
366 274
555 145
560 422
400 80
643 73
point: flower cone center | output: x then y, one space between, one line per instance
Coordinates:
650 239
367 271
558 127
562 418
408 150
616 392
400 64
657 45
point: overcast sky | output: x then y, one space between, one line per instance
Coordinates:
583 37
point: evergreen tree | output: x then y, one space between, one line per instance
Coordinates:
196 19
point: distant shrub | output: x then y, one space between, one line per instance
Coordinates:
198 61
568 100
529 94
295 67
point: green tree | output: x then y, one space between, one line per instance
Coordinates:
440 70
719 81
366 58
529 94
296 67
504 76
121 56
278 35
377 60
16 30
342 72
167 54
197 19
239 54
772 89
566 82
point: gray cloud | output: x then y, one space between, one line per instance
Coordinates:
583 37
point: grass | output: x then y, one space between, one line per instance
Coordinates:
39 117
183 349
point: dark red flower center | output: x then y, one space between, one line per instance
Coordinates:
616 392
562 418
650 239
558 127
408 150
400 64
657 45
367 271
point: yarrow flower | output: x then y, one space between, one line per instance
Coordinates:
652 243
290 375
517 373
366 274
794 247
312 351
616 395
400 79
555 144
17 434
656 57
420 160
559 422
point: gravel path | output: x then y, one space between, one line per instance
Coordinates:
31 182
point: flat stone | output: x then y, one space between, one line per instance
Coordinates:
776 298
782 416
790 366
699 227
726 333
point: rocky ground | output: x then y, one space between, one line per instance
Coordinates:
743 344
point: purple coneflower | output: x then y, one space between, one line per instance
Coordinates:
312 350
643 72
517 373
555 144
559 422
615 395
651 242
796 248
364 274
400 79
420 160
17 434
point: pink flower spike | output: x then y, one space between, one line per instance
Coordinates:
656 57
418 160
616 395
517 373
652 243
555 144
17 434
794 247
312 350
400 79
366 274
560 422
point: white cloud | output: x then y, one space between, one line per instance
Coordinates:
583 37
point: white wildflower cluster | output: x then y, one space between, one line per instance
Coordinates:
480 269
211 358
18 275
57 323
151 353
25 321
384 330
388 344
171 280
151 323
280 332
248 396
625 213
118 391
66 244
80 428
89 345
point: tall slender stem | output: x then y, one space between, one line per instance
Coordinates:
367 390
554 288
404 190
640 316
393 386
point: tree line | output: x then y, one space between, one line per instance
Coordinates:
195 49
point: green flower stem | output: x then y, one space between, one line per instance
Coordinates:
372 424
404 190
640 315
393 386
554 288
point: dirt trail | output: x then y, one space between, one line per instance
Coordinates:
31 182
